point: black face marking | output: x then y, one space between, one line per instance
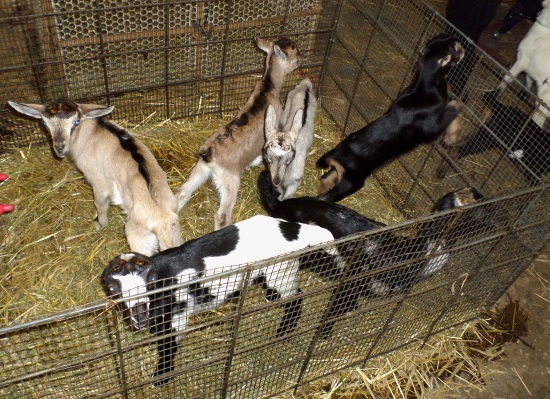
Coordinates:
290 230
285 43
61 108
129 144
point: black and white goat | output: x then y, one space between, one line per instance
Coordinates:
238 144
419 115
120 169
285 150
512 131
416 258
245 242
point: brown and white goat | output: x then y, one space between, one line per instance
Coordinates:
285 151
120 169
238 144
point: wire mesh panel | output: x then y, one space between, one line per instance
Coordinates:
392 287
377 291
150 59
501 148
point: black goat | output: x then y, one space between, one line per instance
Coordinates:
419 257
511 130
418 115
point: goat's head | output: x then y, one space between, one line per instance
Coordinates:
459 198
127 276
279 148
444 50
283 52
62 118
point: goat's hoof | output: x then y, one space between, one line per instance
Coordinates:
97 224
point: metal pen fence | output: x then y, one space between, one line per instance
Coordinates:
178 59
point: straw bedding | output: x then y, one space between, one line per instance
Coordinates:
53 257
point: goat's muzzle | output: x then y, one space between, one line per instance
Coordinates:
140 319
61 150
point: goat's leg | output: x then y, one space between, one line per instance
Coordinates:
199 175
228 184
101 202
166 348
342 302
292 313
282 282
451 120
518 67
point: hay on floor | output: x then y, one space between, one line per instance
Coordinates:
52 255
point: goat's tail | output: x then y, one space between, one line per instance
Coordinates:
268 194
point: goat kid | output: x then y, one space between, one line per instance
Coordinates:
120 169
381 251
533 58
238 144
419 115
514 132
285 150
221 250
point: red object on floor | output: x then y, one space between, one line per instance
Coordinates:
5 207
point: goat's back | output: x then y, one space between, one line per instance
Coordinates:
108 155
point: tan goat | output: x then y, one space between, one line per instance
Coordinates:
120 169
238 144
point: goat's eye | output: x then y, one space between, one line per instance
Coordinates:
77 122
154 278
112 289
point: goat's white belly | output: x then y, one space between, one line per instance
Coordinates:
437 262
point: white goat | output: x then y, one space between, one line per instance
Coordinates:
239 143
120 169
533 58
285 151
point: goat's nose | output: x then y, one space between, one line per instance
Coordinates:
59 148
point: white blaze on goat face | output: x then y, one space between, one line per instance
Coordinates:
132 284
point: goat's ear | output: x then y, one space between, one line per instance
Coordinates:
264 45
95 111
279 53
270 121
34 110
296 123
